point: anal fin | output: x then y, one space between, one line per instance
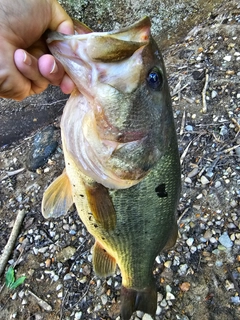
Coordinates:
57 199
103 264
101 205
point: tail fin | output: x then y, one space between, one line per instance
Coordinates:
133 300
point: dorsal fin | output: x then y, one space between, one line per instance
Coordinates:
57 199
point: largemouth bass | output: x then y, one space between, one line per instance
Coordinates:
121 154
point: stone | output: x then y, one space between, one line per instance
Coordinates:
43 146
225 240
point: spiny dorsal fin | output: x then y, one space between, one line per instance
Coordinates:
101 205
103 264
57 199
80 27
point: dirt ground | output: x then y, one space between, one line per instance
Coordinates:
200 278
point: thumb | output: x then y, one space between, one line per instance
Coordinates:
60 20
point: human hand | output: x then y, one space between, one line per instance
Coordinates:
29 70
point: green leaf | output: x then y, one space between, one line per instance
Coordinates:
10 277
18 282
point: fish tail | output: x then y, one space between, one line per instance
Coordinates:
143 300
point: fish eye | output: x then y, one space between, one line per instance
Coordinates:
155 79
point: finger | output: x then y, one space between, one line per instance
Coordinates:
13 84
28 66
51 69
67 85
60 19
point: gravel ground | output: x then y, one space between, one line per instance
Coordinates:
200 278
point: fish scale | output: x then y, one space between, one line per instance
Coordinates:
140 219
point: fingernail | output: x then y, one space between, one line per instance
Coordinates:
26 58
54 68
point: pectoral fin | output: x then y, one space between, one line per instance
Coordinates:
57 199
103 264
101 205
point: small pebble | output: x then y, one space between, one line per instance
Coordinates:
193 173
14 296
163 303
189 128
182 269
170 296
188 180
217 184
214 94
225 240
43 146
104 299
227 58
65 254
43 249
223 131
147 317
59 287
21 294
158 311
78 315
168 288
139 314
190 241
167 264
208 234
185 286
204 180
235 300
67 276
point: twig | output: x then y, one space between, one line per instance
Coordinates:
185 152
181 216
43 304
11 241
62 305
236 124
179 90
12 173
204 109
230 149
183 123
